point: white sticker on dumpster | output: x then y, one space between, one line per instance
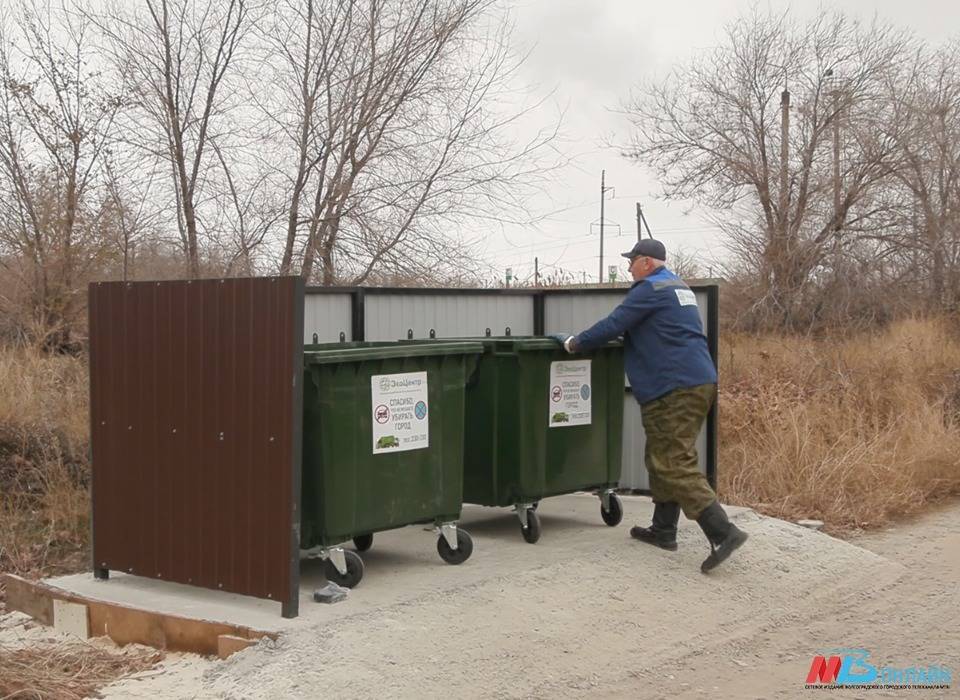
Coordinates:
400 407
570 393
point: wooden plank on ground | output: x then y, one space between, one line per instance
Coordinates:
23 595
227 644
126 625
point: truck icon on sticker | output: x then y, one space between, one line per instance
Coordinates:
388 441
561 417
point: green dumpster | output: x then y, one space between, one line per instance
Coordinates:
542 423
382 447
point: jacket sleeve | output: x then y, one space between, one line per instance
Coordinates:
633 310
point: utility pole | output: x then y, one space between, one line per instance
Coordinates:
784 155
915 221
603 192
836 158
536 272
642 220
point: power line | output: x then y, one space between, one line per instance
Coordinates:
531 248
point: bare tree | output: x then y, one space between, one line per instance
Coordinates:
56 119
386 111
784 127
926 99
250 210
131 218
688 264
177 57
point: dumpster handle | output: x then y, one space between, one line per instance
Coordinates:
473 377
433 333
507 331
488 332
409 334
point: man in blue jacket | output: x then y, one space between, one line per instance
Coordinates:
674 380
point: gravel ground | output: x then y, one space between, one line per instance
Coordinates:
588 612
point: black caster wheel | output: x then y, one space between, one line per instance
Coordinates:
354 570
613 516
531 533
535 505
461 553
363 542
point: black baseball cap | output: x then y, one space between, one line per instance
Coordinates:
649 248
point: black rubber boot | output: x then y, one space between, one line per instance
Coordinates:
663 530
724 536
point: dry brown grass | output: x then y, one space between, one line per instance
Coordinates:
67 671
44 474
44 516
852 431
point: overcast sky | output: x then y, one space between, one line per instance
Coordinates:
590 53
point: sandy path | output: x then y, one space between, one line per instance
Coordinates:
596 614
913 620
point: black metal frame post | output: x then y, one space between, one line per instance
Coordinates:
713 418
358 314
99 572
539 313
291 606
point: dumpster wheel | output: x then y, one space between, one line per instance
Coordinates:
531 533
461 553
363 542
354 570
614 515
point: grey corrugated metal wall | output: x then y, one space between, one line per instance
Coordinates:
569 312
327 316
389 314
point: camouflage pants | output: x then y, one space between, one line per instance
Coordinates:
672 424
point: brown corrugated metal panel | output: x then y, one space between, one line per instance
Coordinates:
196 413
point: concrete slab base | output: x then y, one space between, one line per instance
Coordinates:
402 565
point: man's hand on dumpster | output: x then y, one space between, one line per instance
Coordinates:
566 341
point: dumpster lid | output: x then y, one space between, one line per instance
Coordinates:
390 351
525 342
531 342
